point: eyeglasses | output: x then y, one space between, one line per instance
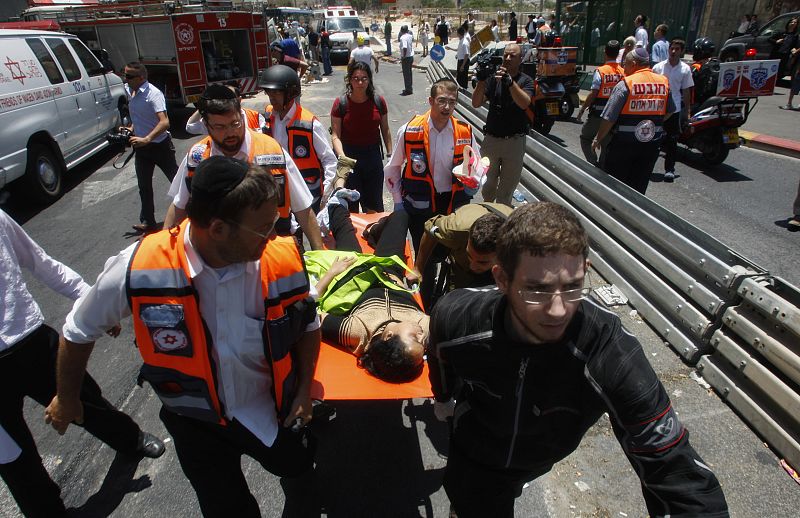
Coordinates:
444 102
542 298
248 229
359 79
237 124
131 76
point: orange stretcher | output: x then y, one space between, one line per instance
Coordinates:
339 377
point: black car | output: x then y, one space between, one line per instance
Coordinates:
736 49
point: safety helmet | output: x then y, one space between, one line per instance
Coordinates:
703 48
280 77
360 40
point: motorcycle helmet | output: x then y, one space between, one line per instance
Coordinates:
280 77
703 48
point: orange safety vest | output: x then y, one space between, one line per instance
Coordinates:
642 116
252 119
610 74
300 130
173 338
417 187
264 151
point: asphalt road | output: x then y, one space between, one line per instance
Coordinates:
386 458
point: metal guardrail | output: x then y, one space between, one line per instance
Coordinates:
727 315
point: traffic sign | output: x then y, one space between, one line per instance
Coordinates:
437 53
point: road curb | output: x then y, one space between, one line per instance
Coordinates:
771 144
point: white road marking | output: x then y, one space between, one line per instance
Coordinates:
97 191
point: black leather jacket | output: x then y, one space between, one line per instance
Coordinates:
524 407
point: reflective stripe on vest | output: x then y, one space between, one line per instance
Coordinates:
264 151
300 132
173 339
610 74
417 186
642 116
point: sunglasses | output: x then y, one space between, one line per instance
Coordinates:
131 76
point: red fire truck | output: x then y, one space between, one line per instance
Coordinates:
185 44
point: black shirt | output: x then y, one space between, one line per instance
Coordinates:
505 117
313 38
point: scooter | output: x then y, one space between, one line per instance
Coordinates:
713 129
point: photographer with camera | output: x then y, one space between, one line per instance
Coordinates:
509 93
150 140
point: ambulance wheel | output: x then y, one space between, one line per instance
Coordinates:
716 153
43 174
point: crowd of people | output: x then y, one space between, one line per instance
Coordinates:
258 262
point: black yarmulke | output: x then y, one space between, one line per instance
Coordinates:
218 92
216 176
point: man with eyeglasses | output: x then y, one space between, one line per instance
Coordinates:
509 93
228 334
151 141
533 364
228 136
419 175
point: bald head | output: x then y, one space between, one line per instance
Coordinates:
512 57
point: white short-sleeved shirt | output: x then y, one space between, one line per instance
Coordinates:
362 54
463 48
680 78
298 190
232 305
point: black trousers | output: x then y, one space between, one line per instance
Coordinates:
462 74
161 154
406 64
30 371
478 491
391 231
210 456
632 163
367 176
672 129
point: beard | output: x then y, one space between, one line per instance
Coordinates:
230 145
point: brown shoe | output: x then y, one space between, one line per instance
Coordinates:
145 228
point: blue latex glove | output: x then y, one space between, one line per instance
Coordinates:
398 206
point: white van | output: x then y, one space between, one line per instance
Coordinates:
57 103
340 22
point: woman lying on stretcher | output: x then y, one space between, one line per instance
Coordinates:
364 304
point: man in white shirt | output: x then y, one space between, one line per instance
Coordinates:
419 178
407 58
228 136
227 330
680 85
364 54
27 363
462 58
640 33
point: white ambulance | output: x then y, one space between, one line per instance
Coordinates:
341 22
57 102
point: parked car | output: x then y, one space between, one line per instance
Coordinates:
57 102
758 45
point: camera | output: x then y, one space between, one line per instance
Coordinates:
487 63
120 137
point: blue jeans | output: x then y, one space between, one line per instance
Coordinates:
326 61
388 44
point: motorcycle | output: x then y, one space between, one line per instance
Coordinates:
713 129
558 83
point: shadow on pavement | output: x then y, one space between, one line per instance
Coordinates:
118 482
720 173
369 461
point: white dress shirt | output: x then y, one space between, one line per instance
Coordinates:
440 159
642 40
232 306
407 45
298 190
463 47
198 127
19 312
321 145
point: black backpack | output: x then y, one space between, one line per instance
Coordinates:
379 101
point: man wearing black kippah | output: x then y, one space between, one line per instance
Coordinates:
228 334
229 136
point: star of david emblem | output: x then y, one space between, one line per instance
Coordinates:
16 71
170 339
